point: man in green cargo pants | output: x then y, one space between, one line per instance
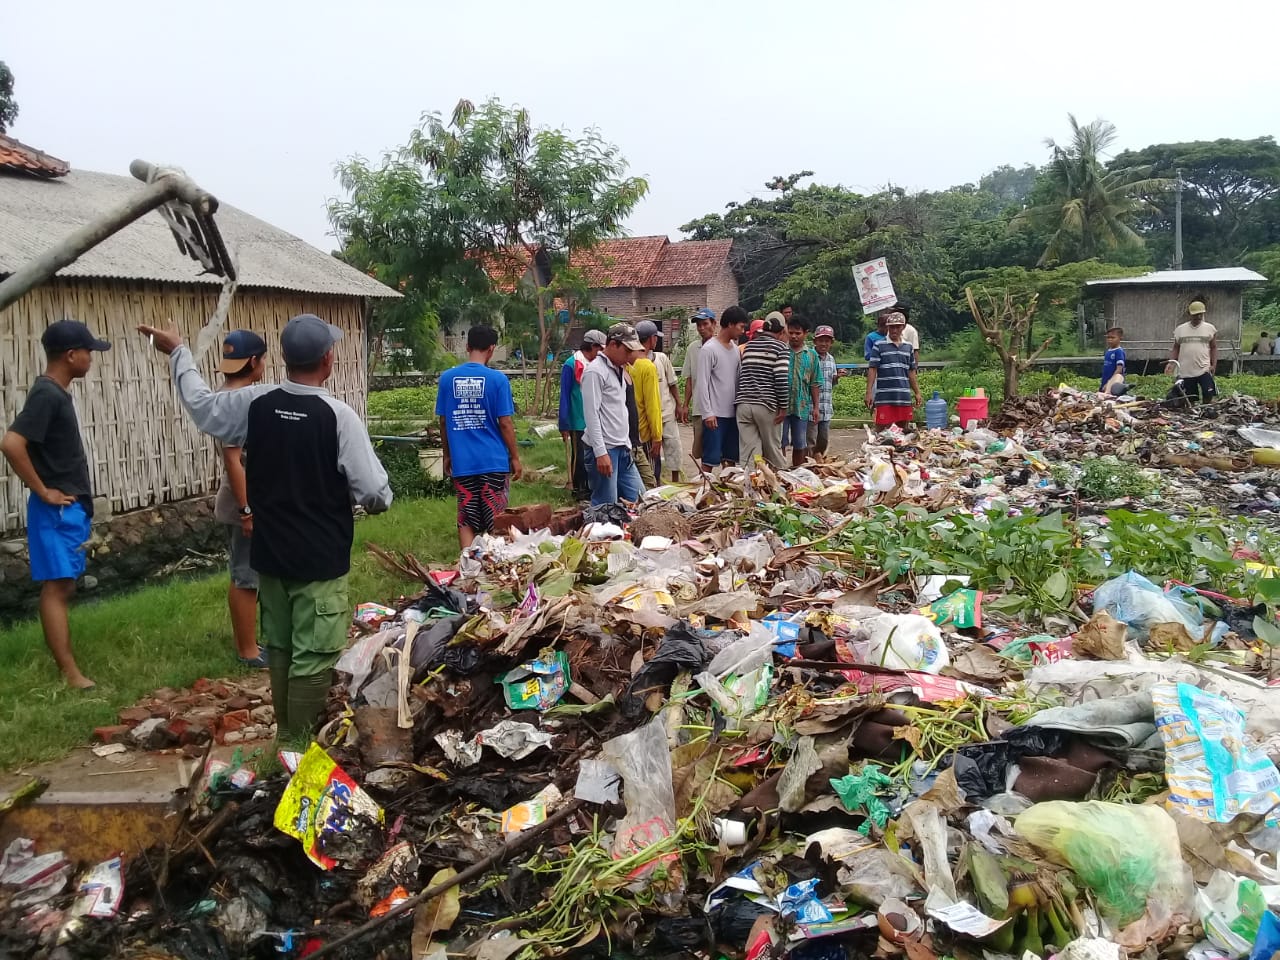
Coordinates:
308 459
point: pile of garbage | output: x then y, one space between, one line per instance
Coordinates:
926 702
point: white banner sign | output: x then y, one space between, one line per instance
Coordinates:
874 286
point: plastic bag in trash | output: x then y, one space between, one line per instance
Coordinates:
681 649
906 642
1125 853
1214 771
1231 910
1133 599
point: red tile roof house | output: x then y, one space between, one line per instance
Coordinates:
635 277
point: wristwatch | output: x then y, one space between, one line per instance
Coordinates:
246 511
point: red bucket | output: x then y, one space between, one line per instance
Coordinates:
971 408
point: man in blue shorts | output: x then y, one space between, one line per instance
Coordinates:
475 408
44 449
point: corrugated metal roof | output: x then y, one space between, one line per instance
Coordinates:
1184 278
35 214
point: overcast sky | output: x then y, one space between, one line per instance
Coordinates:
707 99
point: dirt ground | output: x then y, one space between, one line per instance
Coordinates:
844 442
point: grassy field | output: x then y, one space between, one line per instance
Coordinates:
172 634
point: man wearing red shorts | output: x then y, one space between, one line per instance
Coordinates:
891 376
475 408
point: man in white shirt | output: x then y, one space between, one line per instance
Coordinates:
705 324
909 333
1195 347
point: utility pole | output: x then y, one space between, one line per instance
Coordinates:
1177 221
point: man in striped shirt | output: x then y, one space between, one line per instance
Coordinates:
763 391
891 377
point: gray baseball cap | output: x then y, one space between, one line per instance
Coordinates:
646 329
306 339
594 338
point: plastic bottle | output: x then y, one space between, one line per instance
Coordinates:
935 413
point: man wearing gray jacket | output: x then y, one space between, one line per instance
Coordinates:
308 459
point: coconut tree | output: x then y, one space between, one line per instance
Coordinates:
1084 208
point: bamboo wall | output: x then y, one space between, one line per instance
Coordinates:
141 446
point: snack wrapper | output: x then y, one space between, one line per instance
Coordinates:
322 801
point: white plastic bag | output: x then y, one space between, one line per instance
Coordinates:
906 642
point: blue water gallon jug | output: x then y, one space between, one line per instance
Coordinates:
935 413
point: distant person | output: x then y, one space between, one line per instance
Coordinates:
1113 364
1264 346
672 452
763 392
44 448
824 339
476 411
647 443
786 310
1195 347
607 438
570 417
241 366
806 386
891 377
717 388
909 333
705 325
308 460
879 333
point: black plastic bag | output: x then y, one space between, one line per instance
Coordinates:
733 921
614 513
982 769
681 649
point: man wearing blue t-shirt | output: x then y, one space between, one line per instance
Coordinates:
1113 384
475 408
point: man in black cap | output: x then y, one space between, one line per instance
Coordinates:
241 366
44 449
307 460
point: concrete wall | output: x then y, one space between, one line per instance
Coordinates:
125 551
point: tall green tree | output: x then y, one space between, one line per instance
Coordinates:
1086 209
513 186
1230 202
486 182
8 106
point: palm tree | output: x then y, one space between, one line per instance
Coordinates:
1089 207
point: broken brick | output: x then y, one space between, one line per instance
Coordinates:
532 516
240 702
132 716
233 722
115 733
566 520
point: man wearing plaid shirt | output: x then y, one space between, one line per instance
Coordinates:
820 430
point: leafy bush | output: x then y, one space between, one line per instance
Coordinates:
404 471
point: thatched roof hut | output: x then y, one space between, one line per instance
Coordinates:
142 450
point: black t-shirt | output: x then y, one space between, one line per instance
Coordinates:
48 421
301 500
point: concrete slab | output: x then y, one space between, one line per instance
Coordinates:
96 807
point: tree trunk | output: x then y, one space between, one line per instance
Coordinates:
1011 374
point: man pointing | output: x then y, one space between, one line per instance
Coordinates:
307 460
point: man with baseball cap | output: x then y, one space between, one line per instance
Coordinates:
820 429
44 448
308 459
607 434
1195 347
241 366
672 452
570 418
648 398
704 322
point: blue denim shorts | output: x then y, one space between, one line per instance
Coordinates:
56 538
